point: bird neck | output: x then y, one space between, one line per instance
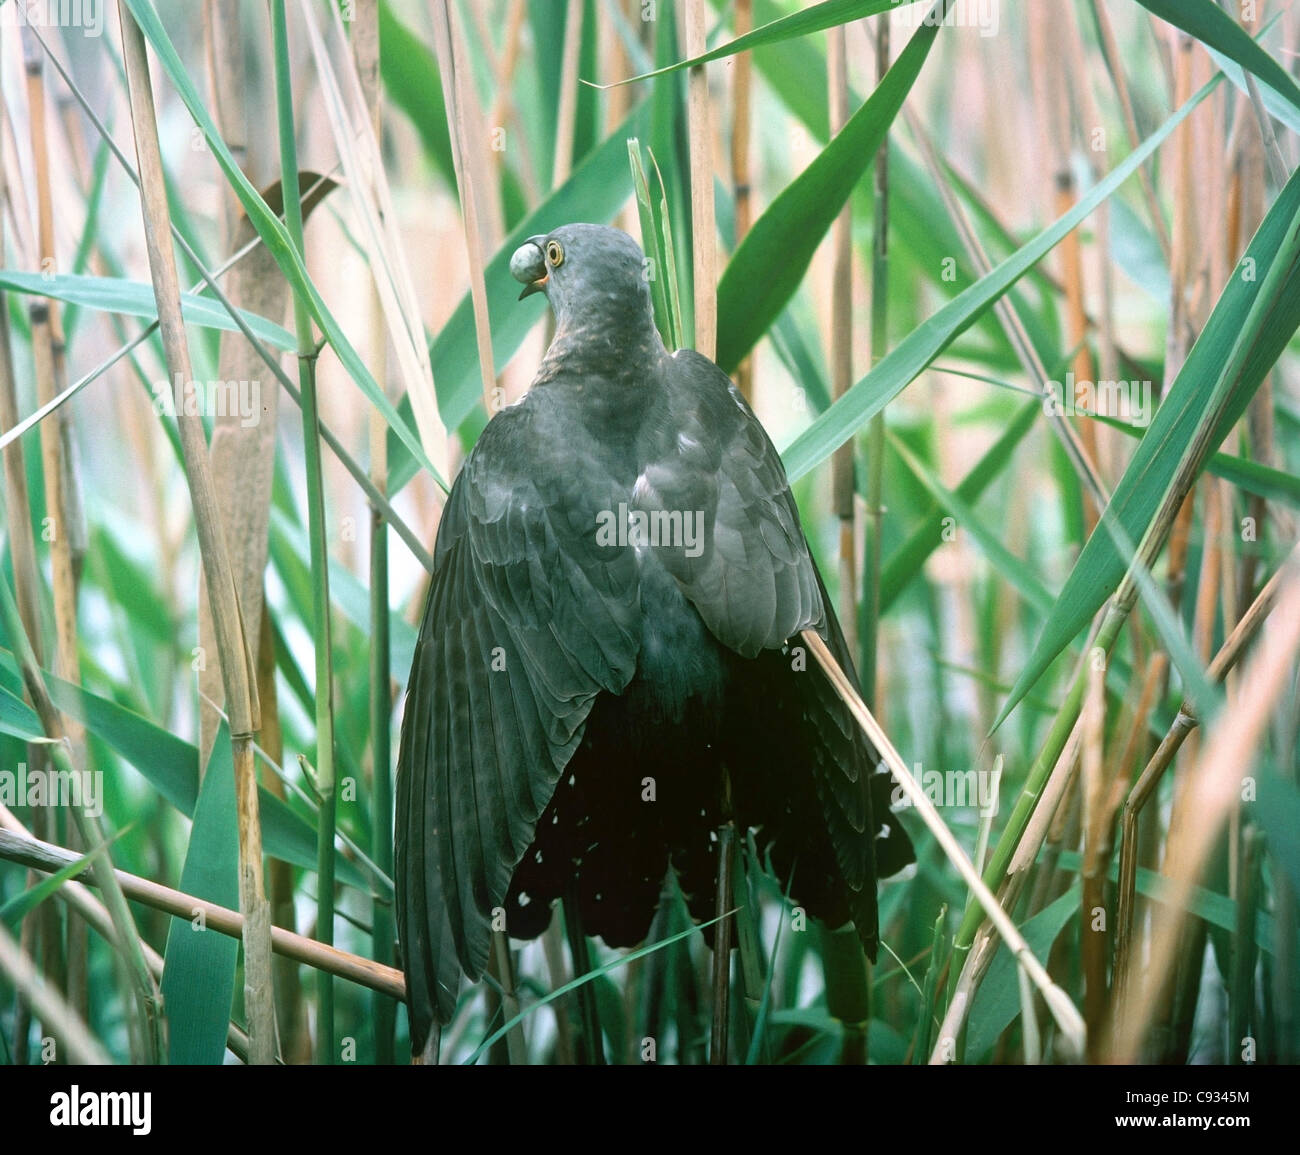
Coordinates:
618 352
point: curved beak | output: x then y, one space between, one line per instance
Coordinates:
529 265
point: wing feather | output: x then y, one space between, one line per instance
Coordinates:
756 586
527 620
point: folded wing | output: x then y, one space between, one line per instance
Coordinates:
527 620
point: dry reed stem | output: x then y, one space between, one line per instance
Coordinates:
38 855
22 539
359 151
77 897
1214 791
1145 787
458 96
1115 64
64 523
1063 1010
703 245
505 110
1045 57
209 278
742 21
1007 315
63 586
61 500
242 456
57 1017
238 668
228 88
568 103
840 354
1037 833
1096 823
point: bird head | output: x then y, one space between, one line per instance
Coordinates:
588 273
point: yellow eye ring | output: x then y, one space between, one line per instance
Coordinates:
555 253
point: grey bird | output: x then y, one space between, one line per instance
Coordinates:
609 667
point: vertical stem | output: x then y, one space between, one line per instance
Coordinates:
1241 991
504 970
841 345
65 625
925 1021
568 103
752 967
63 507
1066 716
126 937
42 925
1046 44
365 49
702 218
722 936
876 429
22 541
847 972
591 1045
229 95
1250 204
47 349
1192 233
741 178
381 711
1115 65
458 96
50 935
1093 939
325 784
1077 323
234 652
565 1049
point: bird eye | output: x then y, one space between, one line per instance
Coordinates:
555 253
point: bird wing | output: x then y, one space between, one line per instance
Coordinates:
756 586
750 575
527 620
